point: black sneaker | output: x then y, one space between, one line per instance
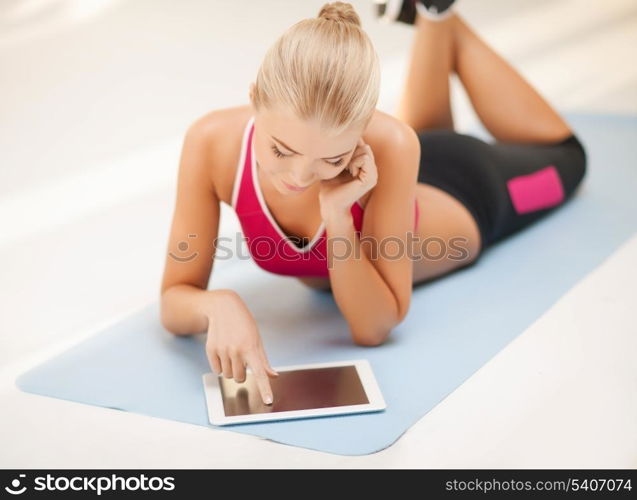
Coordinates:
436 10
389 11
404 11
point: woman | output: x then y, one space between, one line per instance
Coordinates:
330 190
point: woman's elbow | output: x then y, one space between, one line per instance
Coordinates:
377 335
168 320
370 339
168 324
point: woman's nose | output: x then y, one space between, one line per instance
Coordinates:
302 176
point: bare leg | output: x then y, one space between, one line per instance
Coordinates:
425 101
507 105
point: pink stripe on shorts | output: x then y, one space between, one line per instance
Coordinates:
536 191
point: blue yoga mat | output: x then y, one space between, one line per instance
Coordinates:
455 325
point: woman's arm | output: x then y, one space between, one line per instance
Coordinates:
372 278
185 300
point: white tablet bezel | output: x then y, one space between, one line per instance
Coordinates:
214 402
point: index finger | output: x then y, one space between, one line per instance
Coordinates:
263 382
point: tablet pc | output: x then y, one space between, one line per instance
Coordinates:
300 391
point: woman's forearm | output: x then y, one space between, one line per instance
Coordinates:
185 309
366 301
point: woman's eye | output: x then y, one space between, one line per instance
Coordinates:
277 152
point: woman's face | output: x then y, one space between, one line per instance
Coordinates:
296 154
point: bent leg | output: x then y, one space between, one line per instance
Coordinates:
425 101
507 105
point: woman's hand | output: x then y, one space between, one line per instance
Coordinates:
234 342
339 193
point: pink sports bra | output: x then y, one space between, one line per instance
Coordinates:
268 245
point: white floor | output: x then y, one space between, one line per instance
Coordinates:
96 94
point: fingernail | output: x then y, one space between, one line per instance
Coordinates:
268 400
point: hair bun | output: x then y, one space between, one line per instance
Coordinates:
340 12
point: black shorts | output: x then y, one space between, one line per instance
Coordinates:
505 186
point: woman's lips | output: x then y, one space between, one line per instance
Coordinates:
292 187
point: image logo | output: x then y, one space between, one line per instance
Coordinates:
183 247
15 484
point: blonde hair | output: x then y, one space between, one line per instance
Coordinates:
322 68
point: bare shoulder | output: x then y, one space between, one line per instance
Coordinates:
221 130
383 129
388 137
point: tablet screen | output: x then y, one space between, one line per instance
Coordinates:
295 390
